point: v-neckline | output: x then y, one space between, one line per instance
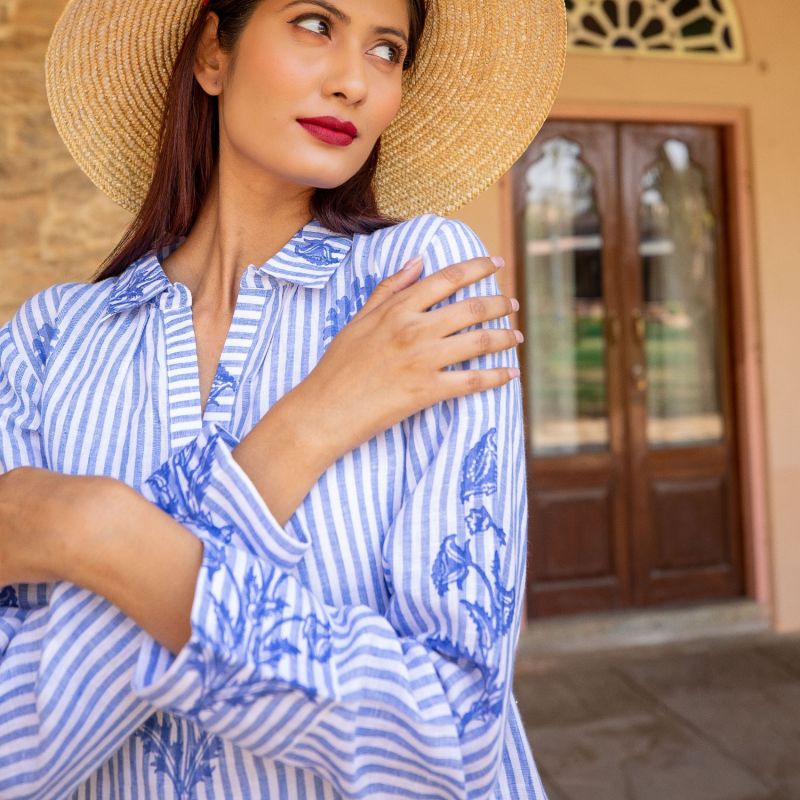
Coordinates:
187 417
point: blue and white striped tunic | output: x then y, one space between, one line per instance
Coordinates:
364 649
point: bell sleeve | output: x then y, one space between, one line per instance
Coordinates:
410 702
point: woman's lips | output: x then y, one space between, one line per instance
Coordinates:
327 134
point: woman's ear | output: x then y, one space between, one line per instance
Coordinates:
210 60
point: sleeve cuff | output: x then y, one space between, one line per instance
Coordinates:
203 487
241 627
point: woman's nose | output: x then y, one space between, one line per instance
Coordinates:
346 74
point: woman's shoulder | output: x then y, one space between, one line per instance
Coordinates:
421 230
39 319
440 240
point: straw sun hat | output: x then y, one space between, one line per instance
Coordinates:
486 74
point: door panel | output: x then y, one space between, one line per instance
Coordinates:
679 398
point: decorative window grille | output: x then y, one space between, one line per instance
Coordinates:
706 29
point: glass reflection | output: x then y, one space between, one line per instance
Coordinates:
678 256
567 406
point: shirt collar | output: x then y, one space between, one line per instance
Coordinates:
308 259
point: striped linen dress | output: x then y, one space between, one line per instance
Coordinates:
363 649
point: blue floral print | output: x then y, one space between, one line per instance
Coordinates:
479 470
317 251
179 751
223 381
252 629
479 521
136 286
179 487
454 564
348 306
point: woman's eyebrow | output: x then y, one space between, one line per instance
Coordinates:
340 15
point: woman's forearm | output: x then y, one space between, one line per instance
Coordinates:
286 452
140 559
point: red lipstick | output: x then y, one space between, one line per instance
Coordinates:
330 129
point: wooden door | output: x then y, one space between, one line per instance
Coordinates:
629 403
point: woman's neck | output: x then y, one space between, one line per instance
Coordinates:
232 231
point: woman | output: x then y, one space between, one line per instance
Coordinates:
261 537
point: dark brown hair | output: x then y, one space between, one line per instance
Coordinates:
188 146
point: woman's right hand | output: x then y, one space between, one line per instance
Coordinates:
386 364
389 361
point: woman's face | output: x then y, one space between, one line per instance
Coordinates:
299 59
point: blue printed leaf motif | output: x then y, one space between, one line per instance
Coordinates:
43 342
345 308
223 380
488 706
228 629
8 597
452 650
338 316
180 752
479 521
271 651
214 558
479 471
224 682
145 279
483 622
252 627
504 599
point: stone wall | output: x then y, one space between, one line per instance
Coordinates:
55 226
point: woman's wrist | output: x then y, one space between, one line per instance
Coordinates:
285 453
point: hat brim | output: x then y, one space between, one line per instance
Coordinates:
486 75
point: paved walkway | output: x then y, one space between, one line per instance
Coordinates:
710 720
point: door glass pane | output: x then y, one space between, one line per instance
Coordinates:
564 309
678 257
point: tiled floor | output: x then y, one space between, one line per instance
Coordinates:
709 720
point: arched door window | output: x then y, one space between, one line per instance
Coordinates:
568 407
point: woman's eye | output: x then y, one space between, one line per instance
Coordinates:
315 23
394 52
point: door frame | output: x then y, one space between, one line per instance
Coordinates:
744 307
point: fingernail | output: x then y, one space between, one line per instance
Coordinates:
415 262
498 261
513 372
515 304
